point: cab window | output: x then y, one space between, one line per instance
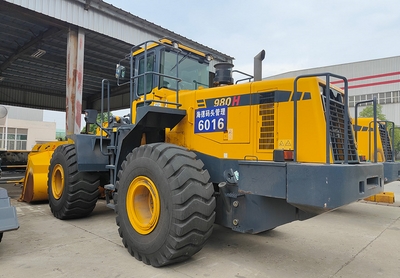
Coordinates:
187 67
148 78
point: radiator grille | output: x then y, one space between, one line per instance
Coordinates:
267 114
386 142
338 133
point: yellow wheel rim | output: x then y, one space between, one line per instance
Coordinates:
143 205
57 181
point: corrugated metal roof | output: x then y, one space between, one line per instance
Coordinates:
30 25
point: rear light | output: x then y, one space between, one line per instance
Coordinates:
283 155
288 155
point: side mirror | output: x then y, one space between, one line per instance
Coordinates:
120 71
90 116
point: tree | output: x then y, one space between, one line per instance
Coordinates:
93 127
368 112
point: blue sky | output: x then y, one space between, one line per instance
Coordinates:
295 34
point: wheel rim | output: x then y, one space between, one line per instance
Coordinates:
57 181
143 205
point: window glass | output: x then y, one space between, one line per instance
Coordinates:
395 96
147 77
187 67
382 98
388 97
21 137
16 139
351 101
11 145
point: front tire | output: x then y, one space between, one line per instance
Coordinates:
72 194
165 204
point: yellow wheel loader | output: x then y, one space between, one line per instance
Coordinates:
198 149
375 142
383 151
34 183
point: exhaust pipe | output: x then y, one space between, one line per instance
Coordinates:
258 65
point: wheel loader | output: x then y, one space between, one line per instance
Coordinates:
375 141
198 149
381 151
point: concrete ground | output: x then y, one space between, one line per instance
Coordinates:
358 240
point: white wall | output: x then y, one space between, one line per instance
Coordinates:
38 132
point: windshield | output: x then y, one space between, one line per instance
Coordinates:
192 72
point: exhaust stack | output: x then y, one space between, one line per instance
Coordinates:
258 65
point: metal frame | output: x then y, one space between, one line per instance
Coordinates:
133 96
374 102
327 114
375 139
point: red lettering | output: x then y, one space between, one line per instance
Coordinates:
235 101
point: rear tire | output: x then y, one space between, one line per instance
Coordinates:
164 203
72 194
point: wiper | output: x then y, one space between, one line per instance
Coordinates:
180 61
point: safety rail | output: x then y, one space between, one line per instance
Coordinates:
374 103
327 115
199 83
133 77
385 139
103 82
249 76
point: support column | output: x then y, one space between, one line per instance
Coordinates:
75 59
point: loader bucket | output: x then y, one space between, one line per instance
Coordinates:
35 181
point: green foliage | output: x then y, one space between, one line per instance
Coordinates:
368 112
93 127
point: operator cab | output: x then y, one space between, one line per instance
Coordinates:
154 66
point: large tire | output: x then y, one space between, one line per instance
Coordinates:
72 194
165 204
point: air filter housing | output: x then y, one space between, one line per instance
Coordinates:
223 74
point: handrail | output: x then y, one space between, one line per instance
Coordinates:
374 103
241 72
327 114
133 77
177 104
393 149
102 112
199 83
391 140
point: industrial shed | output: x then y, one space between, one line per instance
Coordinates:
54 54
